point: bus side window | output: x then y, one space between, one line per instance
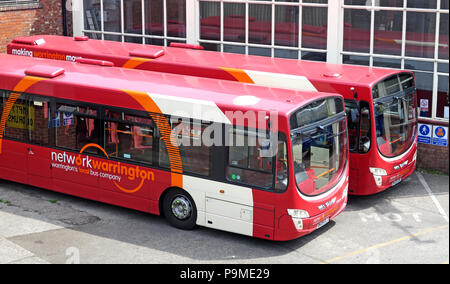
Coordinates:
246 165
353 119
39 117
364 137
196 156
282 173
17 123
76 126
2 95
129 136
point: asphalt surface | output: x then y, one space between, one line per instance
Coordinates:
406 224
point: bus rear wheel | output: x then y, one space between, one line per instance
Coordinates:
179 209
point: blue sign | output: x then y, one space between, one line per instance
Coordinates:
424 134
440 135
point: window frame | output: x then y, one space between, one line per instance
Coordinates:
435 61
80 29
17 2
134 113
30 98
272 46
281 137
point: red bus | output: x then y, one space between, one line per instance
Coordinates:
263 162
380 103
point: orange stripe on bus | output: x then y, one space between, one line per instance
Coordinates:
135 62
22 86
239 75
161 122
130 190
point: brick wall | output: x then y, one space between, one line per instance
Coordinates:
434 158
30 19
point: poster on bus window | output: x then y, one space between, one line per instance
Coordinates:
21 117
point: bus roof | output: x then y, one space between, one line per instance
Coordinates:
165 59
168 89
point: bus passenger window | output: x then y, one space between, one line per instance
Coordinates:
18 122
364 138
39 113
2 99
353 117
76 127
282 172
247 162
129 137
195 154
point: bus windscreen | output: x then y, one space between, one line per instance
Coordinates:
395 114
319 147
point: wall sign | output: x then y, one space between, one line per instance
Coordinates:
425 131
440 135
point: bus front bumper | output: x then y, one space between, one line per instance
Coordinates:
288 231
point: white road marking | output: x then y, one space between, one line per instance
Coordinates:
430 193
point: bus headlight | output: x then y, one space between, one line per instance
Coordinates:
377 175
297 215
378 172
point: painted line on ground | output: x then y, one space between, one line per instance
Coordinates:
384 244
430 193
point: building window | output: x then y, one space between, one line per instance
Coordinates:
17 2
402 34
287 29
157 22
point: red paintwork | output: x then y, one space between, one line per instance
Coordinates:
325 77
98 85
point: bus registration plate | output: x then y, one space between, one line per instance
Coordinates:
321 224
396 181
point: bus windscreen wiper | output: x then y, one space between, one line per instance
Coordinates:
327 132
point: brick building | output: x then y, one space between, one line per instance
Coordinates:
31 17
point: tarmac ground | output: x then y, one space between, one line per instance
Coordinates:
405 224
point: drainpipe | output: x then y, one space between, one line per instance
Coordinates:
64 16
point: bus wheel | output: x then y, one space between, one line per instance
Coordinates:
180 210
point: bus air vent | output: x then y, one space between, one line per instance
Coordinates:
185 45
45 71
147 53
332 75
29 41
81 38
94 62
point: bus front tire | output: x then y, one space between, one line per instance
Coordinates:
179 209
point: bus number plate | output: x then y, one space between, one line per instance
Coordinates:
321 224
396 181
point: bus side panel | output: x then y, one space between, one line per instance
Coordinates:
76 189
13 161
39 166
354 171
263 214
187 69
74 175
140 194
125 200
127 179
